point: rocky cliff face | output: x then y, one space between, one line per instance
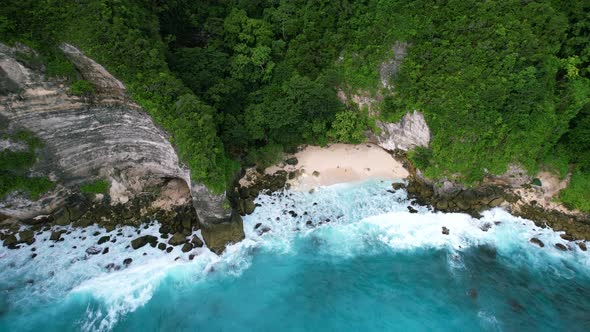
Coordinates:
410 132
105 136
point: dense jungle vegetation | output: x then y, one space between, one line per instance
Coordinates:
239 81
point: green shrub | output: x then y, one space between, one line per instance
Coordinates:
95 187
420 157
82 88
34 186
577 194
349 127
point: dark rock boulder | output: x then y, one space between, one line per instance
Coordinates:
537 242
218 235
445 230
412 210
56 235
127 261
10 241
94 250
398 185
27 236
162 246
561 247
104 239
582 246
177 239
187 247
143 240
292 161
197 243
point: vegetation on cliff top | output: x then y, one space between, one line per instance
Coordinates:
500 82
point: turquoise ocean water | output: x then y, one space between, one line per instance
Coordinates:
347 257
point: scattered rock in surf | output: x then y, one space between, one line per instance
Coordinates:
103 239
164 236
127 261
162 246
177 239
27 236
105 251
169 249
257 225
56 235
390 191
497 223
97 233
196 241
445 230
314 203
582 246
309 223
143 240
412 210
561 246
537 242
398 185
292 161
191 257
566 237
486 226
262 230
10 241
33 256
472 292
187 247
315 173
94 250
293 213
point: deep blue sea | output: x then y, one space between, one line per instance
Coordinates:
352 259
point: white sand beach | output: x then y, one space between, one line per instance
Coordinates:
339 163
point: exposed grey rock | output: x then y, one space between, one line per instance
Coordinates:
411 131
177 239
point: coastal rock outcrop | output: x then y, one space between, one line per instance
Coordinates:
411 131
104 136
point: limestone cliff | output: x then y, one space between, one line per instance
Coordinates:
105 136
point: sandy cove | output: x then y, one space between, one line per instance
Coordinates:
339 163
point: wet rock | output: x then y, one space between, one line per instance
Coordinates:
485 226
187 247
33 256
293 213
143 240
257 225
162 246
582 246
262 230
10 241
103 239
249 206
94 250
445 230
561 247
412 210
177 239
398 185
127 261
219 235
191 257
105 251
196 241
566 237
537 242
56 235
169 249
292 161
27 236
